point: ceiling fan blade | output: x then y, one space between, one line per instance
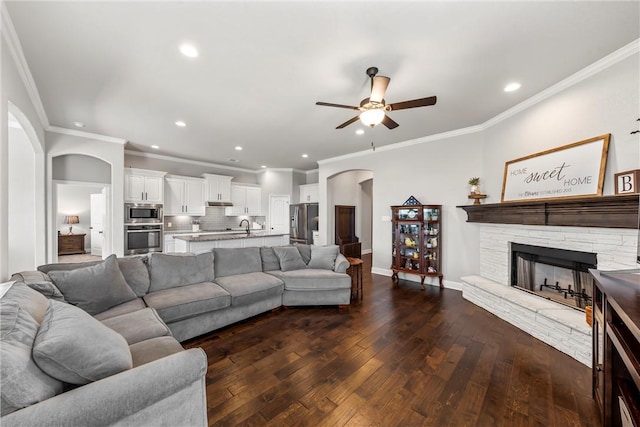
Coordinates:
389 122
348 122
378 88
328 104
422 102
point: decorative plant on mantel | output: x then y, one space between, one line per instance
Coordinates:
474 182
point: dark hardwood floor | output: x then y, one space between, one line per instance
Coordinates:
401 358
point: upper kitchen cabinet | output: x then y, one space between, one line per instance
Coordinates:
217 188
246 199
143 186
184 196
309 193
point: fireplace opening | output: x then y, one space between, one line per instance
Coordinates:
556 274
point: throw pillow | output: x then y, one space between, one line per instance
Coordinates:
96 288
305 252
289 258
40 282
269 259
23 382
234 261
323 257
73 347
170 271
136 273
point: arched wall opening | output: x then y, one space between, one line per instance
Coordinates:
353 188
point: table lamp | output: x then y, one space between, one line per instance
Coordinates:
71 219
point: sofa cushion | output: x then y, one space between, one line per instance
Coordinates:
154 349
289 258
170 271
136 273
232 261
269 259
248 288
323 257
305 251
138 326
39 281
23 382
127 307
95 288
188 301
75 348
312 279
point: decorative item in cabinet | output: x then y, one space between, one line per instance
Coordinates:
416 237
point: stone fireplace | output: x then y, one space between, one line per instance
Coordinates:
558 275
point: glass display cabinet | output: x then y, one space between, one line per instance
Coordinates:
417 242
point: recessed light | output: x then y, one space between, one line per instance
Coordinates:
79 124
263 166
180 124
512 87
305 156
360 132
189 50
238 148
155 147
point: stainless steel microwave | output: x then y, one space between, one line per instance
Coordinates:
135 213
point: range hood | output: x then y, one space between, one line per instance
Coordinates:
219 203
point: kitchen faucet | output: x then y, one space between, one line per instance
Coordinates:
248 231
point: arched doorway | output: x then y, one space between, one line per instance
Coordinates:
26 233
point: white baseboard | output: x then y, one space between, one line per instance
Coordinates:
366 251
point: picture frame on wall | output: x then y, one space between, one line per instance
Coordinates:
575 170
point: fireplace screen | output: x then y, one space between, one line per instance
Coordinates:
556 274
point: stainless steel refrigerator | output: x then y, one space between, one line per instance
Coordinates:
304 221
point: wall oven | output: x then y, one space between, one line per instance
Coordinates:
135 213
142 238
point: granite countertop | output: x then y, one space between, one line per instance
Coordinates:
205 237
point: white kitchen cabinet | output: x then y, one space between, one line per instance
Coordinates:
143 186
309 193
217 188
246 199
184 196
169 243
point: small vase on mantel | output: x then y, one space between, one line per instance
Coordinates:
474 182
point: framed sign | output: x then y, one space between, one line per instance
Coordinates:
570 171
627 182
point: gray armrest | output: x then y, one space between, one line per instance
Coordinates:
341 264
167 391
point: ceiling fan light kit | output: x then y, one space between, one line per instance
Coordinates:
373 109
372 117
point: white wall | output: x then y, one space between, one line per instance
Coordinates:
14 93
75 199
59 144
22 215
365 216
76 167
436 170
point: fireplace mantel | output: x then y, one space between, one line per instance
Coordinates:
619 211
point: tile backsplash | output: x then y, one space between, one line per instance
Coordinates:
214 219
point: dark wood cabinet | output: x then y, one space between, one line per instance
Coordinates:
345 224
616 347
417 241
70 244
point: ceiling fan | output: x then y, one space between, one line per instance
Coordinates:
373 110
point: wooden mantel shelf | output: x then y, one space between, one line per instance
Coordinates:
619 211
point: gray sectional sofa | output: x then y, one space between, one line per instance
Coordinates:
99 343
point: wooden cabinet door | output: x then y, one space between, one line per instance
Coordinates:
253 201
133 188
194 197
173 197
153 189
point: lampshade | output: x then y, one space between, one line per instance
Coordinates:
372 117
71 219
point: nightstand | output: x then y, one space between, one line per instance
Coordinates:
69 244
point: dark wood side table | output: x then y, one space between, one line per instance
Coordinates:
70 244
355 271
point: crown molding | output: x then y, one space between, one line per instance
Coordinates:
15 49
84 134
621 54
187 161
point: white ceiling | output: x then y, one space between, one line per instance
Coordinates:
262 66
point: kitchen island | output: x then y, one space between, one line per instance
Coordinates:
200 242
